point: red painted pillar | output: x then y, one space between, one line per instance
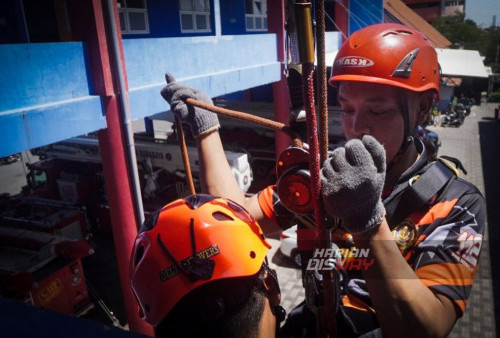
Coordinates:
88 24
342 18
276 24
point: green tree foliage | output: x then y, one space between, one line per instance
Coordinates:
466 34
462 33
492 51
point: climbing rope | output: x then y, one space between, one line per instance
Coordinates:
260 121
185 157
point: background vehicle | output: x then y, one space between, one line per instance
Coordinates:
288 245
52 230
71 170
10 159
453 115
430 140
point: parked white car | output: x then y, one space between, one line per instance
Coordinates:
288 244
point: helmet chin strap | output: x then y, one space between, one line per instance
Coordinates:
279 311
408 137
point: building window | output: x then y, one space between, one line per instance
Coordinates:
133 16
454 3
256 15
195 16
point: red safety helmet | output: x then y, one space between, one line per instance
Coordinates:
390 54
190 242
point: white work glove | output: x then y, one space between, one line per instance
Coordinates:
200 121
352 181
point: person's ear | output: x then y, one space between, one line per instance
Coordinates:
425 101
272 289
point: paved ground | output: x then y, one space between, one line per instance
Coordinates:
476 144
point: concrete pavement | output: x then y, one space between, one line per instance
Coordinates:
476 143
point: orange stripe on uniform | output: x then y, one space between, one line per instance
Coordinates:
266 202
439 210
461 305
445 274
354 302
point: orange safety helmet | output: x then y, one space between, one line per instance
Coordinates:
390 54
188 243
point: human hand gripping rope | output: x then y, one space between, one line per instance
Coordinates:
200 121
352 183
196 109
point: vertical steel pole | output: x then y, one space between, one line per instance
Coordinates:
88 24
125 113
281 96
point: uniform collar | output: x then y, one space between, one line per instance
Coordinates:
417 166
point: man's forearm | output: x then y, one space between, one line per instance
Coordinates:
403 304
215 173
217 179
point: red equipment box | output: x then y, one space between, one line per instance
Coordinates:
61 286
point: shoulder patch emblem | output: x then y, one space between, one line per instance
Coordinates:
405 234
468 249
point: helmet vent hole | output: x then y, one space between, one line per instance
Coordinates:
138 255
253 254
404 32
220 216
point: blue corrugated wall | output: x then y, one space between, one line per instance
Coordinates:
45 88
45 95
202 62
45 92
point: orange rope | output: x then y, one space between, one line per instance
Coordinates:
237 115
185 157
321 81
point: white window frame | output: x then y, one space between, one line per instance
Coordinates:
253 17
125 12
194 14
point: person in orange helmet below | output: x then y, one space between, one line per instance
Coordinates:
199 269
421 225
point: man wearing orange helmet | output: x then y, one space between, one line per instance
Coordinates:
199 269
420 223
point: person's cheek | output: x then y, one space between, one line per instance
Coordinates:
346 127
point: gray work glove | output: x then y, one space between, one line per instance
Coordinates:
352 181
200 121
